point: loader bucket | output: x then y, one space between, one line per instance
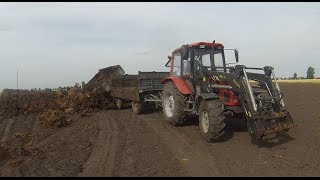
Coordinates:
276 123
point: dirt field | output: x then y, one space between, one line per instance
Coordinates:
119 143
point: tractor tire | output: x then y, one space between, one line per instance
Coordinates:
136 107
173 104
119 103
212 120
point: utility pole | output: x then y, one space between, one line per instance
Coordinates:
17 79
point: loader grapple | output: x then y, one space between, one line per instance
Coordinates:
274 123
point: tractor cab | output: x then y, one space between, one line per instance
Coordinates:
190 59
191 63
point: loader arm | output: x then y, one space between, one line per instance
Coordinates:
260 121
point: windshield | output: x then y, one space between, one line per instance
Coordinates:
204 56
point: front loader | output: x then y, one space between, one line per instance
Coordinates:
202 83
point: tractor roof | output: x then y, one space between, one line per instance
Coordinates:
197 44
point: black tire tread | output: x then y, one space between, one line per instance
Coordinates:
179 100
119 103
137 111
217 123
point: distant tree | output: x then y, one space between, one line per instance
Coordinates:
83 84
295 76
310 73
76 84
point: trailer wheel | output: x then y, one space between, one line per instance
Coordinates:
136 107
119 103
173 104
212 120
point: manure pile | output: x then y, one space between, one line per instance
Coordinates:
54 107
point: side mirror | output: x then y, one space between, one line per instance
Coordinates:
236 55
185 52
169 59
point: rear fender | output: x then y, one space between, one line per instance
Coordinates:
180 84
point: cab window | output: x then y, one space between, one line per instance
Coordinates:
176 71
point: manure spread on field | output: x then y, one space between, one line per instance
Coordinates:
54 107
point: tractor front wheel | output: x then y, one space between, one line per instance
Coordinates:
212 120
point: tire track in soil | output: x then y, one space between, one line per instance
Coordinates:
143 137
145 145
127 146
140 151
239 157
195 157
100 161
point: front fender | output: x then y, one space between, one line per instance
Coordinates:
208 96
180 84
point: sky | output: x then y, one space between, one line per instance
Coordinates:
56 44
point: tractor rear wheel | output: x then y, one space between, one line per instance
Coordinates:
212 120
119 103
136 107
173 104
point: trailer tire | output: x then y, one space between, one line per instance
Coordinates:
136 107
173 104
119 103
212 120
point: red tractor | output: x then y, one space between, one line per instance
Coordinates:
202 83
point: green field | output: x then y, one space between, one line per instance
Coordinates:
296 81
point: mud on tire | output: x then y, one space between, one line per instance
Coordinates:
173 104
136 107
119 103
212 120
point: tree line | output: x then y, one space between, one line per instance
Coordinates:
310 74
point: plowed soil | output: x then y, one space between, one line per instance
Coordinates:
119 143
